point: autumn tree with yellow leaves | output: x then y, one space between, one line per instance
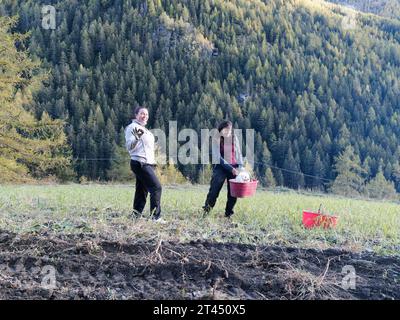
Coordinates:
29 148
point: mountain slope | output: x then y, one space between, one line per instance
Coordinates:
291 70
385 8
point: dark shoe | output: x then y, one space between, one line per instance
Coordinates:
135 214
206 210
229 215
229 221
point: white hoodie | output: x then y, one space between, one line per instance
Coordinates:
141 149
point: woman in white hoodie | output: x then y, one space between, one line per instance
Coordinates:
140 145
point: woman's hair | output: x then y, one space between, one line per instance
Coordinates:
224 124
137 110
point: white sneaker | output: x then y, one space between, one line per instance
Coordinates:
160 221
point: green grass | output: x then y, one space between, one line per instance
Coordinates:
267 218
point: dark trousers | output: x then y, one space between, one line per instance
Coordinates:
217 181
146 182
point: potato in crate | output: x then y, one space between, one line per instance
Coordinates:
243 186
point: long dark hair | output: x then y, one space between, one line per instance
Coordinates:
224 124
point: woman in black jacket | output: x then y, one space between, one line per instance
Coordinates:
227 159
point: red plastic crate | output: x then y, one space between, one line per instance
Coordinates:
317 219
243 189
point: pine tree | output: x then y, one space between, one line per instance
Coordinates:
291 171
350 175
318 173
269 180
28 147
120 167
380 188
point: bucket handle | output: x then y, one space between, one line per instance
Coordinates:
321 211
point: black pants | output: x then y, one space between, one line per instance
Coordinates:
146 181
217 181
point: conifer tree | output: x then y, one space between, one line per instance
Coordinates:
350 175
380 188
28 147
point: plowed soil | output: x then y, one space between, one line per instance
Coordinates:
89 267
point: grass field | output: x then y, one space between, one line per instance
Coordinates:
268 218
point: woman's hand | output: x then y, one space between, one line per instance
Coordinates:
137 133
235 172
